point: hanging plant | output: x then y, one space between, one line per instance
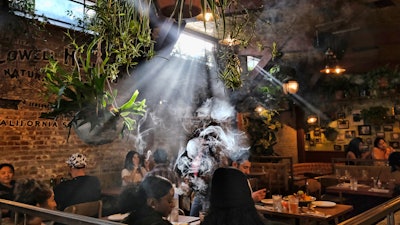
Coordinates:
230 69
120 36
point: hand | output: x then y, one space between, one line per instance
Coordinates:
259 195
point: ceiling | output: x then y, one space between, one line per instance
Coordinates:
365 34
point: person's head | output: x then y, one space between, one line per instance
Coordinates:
36 193
394 161
153 192
355 145
230 199
380 143
160 156
241 161
132 160
77 164
6 173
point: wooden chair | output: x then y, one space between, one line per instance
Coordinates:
92 209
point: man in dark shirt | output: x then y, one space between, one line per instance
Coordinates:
81 188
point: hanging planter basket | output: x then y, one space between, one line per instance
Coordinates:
172 8
99 134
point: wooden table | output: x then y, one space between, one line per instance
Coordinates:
322 215
361 190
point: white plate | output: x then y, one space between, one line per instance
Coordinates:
267 201
117 217
324 204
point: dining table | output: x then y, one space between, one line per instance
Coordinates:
331 212
362 189
182 219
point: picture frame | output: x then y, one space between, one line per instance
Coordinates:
394 136
343 124
364 130
394 144
337 147
317 140
349 134
312 143
396 109
387 127
317 133
380 134
357 117
341 115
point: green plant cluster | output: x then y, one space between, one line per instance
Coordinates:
120 37
262 128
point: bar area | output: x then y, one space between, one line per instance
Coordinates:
132 111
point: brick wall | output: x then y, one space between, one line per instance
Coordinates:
38 148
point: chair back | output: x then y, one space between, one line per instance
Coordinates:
92 209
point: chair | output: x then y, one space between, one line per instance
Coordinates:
92 209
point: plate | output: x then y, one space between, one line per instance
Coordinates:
267 201
324 204
117 217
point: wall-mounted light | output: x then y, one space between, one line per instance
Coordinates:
312 119
290 86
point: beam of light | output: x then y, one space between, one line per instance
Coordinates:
305 105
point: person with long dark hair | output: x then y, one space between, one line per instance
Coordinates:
354 149
230 200
149 202
133 171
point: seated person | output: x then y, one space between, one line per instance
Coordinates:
149 202
381 150
6 185
241 161
36 193
162 168
133 171
230 200
354 150
81 188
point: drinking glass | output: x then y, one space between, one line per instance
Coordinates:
293 205
277 202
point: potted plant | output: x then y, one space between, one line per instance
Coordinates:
375 115
120 35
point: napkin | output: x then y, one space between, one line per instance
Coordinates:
379 190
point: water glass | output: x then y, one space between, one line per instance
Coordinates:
277 202
353 183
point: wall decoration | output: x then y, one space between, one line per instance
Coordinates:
380 134
343 124
312 143
395 136
341 115
337 147
350 134
364 130
317 140
387 127
394 144
317 133
308 136
357 117
397 109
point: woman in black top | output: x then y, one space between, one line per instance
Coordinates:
148 202
7 184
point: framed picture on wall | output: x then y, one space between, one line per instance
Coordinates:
343 124
397 109
387 127
394 136
312 143
341 115
394 144
349 134
337 147
364 130
357 117
380 134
